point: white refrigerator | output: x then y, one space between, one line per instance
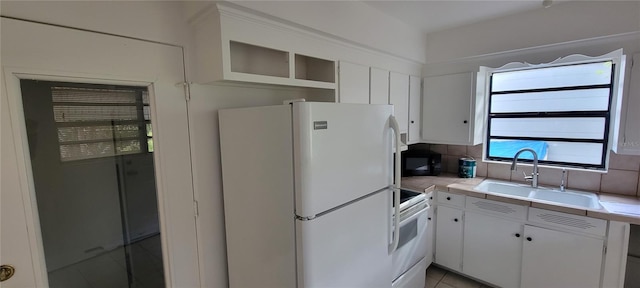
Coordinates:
307 193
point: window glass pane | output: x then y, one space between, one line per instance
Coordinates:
150 145
147 113
575 152
149 132
568 128
79 151
128 146
94 113
145 97
87 95
103 132
553 77
566 152
552 101
509 148
70 152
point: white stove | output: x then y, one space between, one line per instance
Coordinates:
409 261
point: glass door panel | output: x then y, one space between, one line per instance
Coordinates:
91 153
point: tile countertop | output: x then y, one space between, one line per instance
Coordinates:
453 184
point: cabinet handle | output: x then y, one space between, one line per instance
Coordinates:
429 218
412 122
518 235
529 239
455 220
465 121
448 198
431 198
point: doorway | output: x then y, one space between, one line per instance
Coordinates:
98 180
91 151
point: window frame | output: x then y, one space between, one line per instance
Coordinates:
611 116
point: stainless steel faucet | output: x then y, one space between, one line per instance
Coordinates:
563 182
534 175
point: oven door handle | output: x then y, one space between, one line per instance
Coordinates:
416 214
393 123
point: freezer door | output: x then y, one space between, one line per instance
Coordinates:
341 152
346 247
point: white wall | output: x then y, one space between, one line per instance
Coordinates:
160 21
561 23
351 21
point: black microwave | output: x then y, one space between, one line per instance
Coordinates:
420 163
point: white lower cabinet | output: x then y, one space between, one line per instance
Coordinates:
449 237
558 259
492 249
511 245
431 230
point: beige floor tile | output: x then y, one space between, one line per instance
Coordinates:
435 273
458 281
431 282
444 285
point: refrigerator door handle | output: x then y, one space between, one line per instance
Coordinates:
396 187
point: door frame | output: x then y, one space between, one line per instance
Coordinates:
11 78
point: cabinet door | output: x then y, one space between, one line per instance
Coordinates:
378 86
431 230
559 259
399 97
630 144
492 249
414 109
449 237
353 86
447 109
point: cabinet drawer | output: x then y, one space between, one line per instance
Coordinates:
450 199
497 208
568 221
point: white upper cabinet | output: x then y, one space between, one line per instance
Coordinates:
414 109
399 97
379 86
353 83
452 112
630 131
233 49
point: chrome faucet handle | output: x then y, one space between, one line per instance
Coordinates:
527 177
563 181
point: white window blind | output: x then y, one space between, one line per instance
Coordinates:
101 122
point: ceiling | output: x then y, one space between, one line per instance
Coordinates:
432 15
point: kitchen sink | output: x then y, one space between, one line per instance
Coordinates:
575 198
568 197
512 189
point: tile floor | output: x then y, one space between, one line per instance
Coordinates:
440 278
110 269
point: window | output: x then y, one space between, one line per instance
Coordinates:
564 112
95 121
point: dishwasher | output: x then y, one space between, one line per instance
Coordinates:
409 261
